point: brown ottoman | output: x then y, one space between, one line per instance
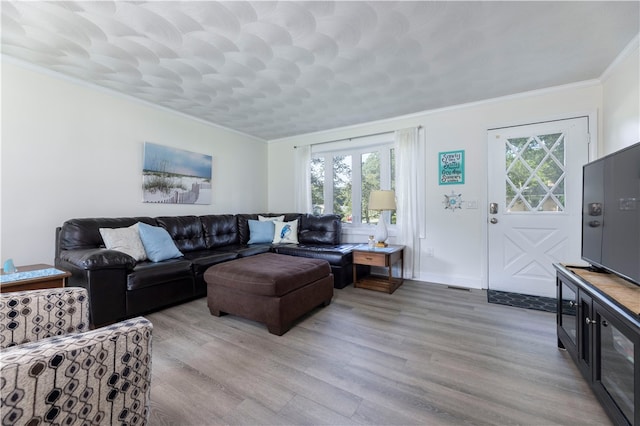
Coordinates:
271 288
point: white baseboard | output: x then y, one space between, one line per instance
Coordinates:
456 281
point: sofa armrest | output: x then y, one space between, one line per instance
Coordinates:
99 377
106 286
97 258
33 315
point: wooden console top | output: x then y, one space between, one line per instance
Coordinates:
622 291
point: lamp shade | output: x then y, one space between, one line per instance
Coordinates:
382 200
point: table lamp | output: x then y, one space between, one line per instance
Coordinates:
382 200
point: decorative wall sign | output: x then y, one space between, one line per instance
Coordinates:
171 175
451 167
453 201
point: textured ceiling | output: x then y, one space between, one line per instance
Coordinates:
276 69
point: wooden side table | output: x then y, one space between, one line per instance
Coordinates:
33 277
379 256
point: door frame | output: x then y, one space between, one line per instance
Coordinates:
594 144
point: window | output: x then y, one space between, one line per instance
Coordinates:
535 173
343 177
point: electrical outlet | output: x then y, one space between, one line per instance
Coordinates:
473 204
429 251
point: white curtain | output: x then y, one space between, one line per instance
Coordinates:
302 179
410 194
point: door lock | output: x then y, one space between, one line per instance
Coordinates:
493 208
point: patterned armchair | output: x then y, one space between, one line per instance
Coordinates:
55 371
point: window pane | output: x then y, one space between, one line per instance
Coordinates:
370 181
334 189
535 173
317 185
342 187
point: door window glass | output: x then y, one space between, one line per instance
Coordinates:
535 173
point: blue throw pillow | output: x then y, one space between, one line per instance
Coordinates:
261 232
157 243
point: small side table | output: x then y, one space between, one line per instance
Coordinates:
379 256
33 277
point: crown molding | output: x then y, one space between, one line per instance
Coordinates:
630 49
386 124
4 58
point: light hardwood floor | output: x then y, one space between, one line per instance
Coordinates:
425 355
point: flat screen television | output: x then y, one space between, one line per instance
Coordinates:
611 213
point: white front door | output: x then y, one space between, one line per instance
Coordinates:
535 196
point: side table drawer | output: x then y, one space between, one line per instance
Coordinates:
373 259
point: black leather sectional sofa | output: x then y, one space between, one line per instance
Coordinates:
120 287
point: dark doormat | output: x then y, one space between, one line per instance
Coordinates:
539 303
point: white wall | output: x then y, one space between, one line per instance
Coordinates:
458 239
621 100
72 151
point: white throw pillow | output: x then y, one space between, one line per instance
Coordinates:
126 240
286 232
271 219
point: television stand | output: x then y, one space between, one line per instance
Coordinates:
595 269
590 268
598 323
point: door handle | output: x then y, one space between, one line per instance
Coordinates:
493 208
493 220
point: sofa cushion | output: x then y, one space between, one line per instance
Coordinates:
242 250
220 230
85 233
243 227
325 229
148 274
157 243
185 231
126 240
201 260
271 218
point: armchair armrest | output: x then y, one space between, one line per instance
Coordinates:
99 377
29 316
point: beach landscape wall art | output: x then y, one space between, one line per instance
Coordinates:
176 176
